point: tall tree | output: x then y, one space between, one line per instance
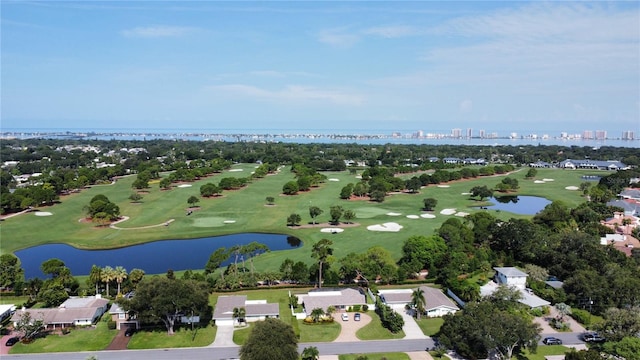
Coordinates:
417 302
11 272
310 353
119 275
321 251
270 339
95 276
160 298
215 260
314 212
108 275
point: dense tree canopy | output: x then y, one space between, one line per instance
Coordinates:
270 339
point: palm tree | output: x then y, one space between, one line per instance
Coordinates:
239 313
322 251
119 274
316 314
107 275
330 310
95 276
310 353
417 301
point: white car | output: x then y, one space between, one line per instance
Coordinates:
345 317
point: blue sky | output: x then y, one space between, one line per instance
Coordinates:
361 66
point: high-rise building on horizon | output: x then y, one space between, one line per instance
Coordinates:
482 134
601 134
456 133
587 134
469 133
628 135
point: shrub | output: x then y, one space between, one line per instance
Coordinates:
581 316
111 325
357 307
365 308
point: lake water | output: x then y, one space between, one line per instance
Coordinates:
154 257
524 205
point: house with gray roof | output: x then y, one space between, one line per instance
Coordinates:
436 303
515 279
630 194
593 164
630 207
76 311
341 299
255 310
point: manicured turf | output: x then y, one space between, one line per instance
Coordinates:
247 207
88 339
376 356
375 331
183 337
430 326
324 332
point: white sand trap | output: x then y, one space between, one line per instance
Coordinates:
548 180
443 186
572 188
331 230
42 213
185 185
390 226
462 214
393 214
465 193
236 170
358 176
334 179
538 181
448 211
427 216
229 221
413 217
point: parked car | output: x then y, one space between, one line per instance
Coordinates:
551 341
356 317
130 331
12 341
593 337
345 317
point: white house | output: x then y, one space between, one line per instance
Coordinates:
516 279
341 299
511 276
76 311
436 303
255 310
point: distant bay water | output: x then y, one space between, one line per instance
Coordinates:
373 137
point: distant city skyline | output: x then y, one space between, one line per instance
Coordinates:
498 67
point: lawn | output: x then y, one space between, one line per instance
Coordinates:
376 356
375 331
81 339
430 326
183 337
542 351
248 208
324 332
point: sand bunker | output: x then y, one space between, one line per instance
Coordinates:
334 179
358 176
427 216
229 221
185 185
547 180
443 186
448 211
413 217
331 230
538 181
236 170
42 213
572 188
462 214
390 226
393 214
465 193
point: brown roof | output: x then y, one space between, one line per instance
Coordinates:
58 315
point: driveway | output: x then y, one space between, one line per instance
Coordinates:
547 328
224 336
411 328
349 328
119 342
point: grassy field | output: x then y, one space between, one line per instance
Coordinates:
248 208
183 337
77 340
375 331
430 326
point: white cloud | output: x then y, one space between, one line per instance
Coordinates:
337 37
157 31
291 93
390 32
466 106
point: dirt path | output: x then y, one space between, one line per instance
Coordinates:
125 218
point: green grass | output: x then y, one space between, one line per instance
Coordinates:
375 331
183 337
15 300
240 336
324 332
247 208
542 351
376 356
430 326
81 339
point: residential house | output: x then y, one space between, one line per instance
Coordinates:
516 279
592 164
122 318
255 310
341 299
75 311
6 311
630 207
436 303
540 164
452 160
630 194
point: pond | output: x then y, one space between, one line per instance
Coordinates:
154 257
523 205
